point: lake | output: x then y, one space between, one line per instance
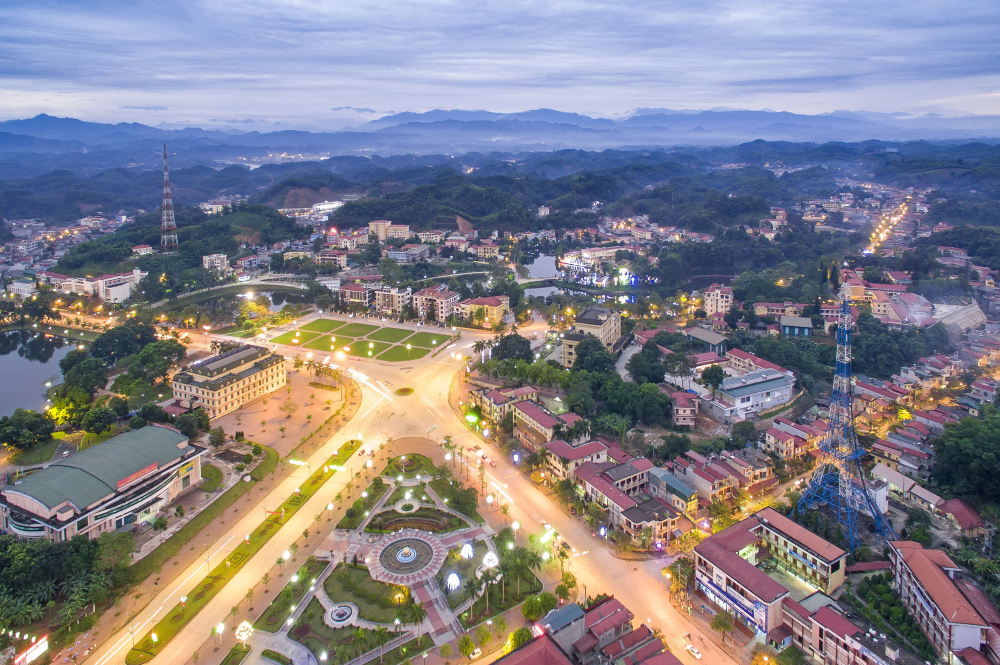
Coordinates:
27 361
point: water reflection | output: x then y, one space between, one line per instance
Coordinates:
30 345
27 360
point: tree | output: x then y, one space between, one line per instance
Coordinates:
445 651
517 639
98 419
713 377
217 436
72 359
513 347
724 623
89 374
645 367
965 456
678 365
25 429
591 356
743 433
465 645
191 424
483 634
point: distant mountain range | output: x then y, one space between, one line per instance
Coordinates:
44 142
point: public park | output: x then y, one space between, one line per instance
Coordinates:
363 340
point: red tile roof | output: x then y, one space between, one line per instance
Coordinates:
964 514
822 548
928 567
721 550
561 449
537 413
834 621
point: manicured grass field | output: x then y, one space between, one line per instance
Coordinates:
376 601
390 335
361 348
399 353
358 329
322 325
321 343
428 340
288 337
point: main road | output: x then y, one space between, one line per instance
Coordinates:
385 416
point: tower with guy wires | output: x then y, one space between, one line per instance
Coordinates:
168 226
838 484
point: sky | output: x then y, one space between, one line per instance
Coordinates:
326 64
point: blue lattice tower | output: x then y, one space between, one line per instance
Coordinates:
838 483
168 226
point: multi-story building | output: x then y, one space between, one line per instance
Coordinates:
727 572
116 287
718 299
603 323
496 403
740 397
391 300
742 362
534 425
409 253
565 458
684 409
358 296
673 490
485 312
940 601
435 303
431 237
777 309
127 479
142 250
331 257
384 230
485 251
217 264
22 287
225 382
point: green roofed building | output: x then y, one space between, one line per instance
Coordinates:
126 479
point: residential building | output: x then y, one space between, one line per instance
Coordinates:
777 309
673 490
942 603
247 263
616 487
603 323
718 300
742 362
684 407
431 237
485 251
565 458
218 264
357 295
496 403
435 303
390 300
142 250
534 425
227 381
740 397
383 230
485 312
331 257
127 479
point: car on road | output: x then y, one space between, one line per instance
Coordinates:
66 453
693 650
476 653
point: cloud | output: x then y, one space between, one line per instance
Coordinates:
294 61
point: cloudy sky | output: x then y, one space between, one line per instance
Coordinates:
326 63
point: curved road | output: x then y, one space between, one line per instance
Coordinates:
383 417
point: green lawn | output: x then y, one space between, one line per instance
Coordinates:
290 337
390 335
361 348
321 343
288 599
410 467
352 518
399 353
358 329
344 644
211 478
322 325
43 452
429 340
465 568
236 655
376 601
340 341
424 518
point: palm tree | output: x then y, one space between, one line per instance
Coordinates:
382 635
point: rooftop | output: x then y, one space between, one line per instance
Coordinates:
101 470
928 567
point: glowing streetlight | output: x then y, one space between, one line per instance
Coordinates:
219 629
466 552
244 632
452 582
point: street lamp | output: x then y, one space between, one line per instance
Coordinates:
219 629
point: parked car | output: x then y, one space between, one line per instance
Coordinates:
477 652
693 650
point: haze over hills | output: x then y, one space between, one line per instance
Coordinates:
36 145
